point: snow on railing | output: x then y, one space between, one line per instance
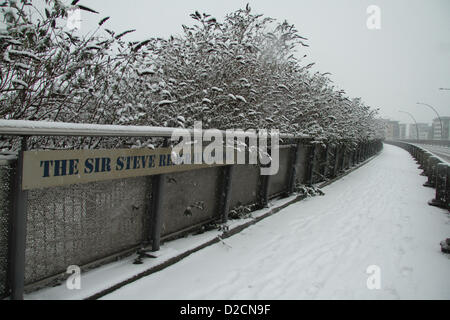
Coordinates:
44 128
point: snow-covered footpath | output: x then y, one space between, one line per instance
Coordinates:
321 248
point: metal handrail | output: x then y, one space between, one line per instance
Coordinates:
42 128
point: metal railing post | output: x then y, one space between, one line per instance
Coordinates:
293 174
315 164
226 192
327 172
158 192
264 191
338 162
309 161
18 231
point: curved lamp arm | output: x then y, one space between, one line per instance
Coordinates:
414 119
439 117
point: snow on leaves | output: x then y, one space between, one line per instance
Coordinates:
237 73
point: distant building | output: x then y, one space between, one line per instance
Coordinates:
392 129
424 131
436 128
402 128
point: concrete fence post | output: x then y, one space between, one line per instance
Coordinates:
422 159
426 159
431 172
425 163
447 188
415 152
419 156
441 182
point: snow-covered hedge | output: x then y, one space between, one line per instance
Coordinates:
242 72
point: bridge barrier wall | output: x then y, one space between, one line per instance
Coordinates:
94 223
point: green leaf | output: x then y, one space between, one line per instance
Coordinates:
124 33
140 45
86 9
103 21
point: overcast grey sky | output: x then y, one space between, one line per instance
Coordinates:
404 62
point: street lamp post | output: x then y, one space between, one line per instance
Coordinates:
417 127
439 117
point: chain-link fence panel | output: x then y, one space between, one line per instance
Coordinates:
6 196
302 166
79 224
279 182
190 198
244 185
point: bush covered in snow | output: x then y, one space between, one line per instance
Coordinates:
238 73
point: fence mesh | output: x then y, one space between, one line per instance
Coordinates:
81 223
6 174
190 198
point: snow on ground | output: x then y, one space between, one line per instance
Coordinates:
104 277
321 248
